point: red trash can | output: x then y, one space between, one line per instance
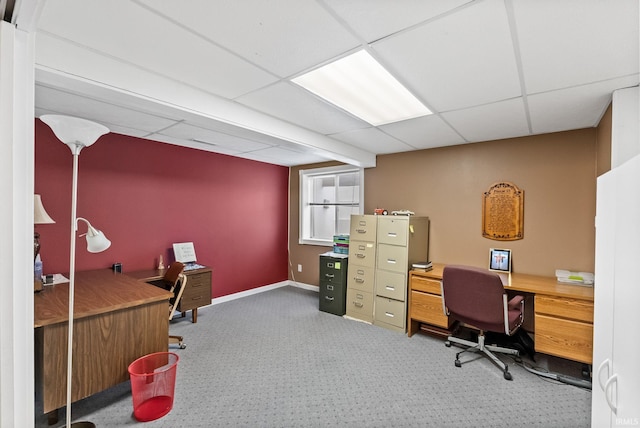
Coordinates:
153 380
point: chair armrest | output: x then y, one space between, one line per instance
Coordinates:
515 302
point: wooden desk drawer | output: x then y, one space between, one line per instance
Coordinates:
362 253
197 293
361 278
391 284
576 309
427 285
389 311
427 308
564 338
360 305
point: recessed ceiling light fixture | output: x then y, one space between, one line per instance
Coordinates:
360 85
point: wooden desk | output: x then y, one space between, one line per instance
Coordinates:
197 293
563 313
116 320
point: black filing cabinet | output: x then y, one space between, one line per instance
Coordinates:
333 283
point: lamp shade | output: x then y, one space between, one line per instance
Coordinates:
74 131
40 215
96 241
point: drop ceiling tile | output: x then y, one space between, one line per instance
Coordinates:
573 108
289 102
495 121
284 36
192 133
373 20
373 140
569 43
133 34
460 60
88 108
424 132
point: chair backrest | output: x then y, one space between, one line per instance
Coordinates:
171 275
474 296
178 290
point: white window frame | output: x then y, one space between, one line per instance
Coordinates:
305 175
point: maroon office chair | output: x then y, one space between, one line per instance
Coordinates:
476 297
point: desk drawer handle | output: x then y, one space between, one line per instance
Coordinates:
389 314
358 304
329 298
196 298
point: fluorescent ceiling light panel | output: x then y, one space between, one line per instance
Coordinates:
360 85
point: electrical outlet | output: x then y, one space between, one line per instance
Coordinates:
299 268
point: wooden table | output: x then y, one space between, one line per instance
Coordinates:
116 320
562 313
196 294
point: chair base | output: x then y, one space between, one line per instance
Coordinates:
178 340
487 350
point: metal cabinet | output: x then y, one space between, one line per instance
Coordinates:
333 283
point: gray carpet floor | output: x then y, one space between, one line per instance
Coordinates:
274 360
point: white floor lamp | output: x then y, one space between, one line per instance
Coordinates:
76 133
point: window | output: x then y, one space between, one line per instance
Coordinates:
328 197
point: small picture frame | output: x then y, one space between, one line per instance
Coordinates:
500 260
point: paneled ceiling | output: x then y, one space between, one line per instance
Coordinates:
215 74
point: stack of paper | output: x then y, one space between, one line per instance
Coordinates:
569 277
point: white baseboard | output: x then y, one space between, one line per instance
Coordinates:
262 289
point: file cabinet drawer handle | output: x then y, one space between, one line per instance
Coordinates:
359 296
392 261
358 280
360 256
328 298
361 230
358 304
392 235
329 275
389 314
390 287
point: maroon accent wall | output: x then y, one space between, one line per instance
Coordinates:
146 195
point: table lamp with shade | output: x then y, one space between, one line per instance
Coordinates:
76 133
40 216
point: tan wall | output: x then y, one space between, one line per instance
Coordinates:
556 171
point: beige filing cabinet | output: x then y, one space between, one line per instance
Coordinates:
401 241
362 265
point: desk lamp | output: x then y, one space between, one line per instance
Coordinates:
76 133
40 216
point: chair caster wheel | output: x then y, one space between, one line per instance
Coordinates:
447 344
458 363
182 345
508 376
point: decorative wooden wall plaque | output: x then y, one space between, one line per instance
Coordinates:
503 212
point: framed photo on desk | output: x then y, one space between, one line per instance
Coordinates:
500 260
